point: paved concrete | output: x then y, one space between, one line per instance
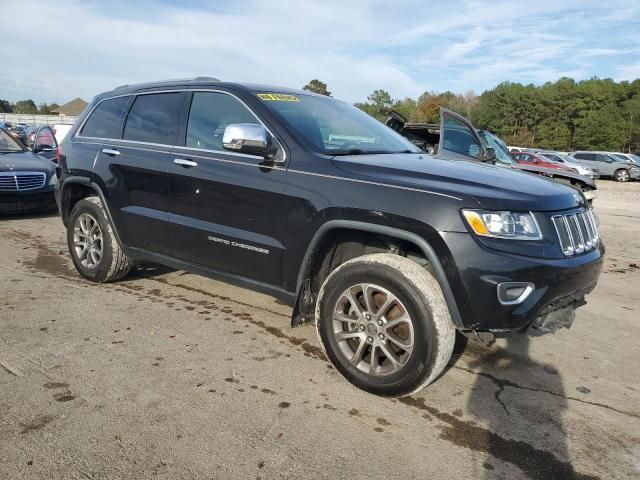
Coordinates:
171 375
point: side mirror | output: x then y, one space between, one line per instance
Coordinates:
490 154
249 138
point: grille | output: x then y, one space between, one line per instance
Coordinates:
21 181
577 232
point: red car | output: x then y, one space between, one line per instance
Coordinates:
528 158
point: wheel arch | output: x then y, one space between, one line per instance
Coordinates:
416 241
74 189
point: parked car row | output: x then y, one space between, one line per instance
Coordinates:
619 166
26 133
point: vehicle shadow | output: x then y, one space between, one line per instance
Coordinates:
521 403
148 270
29 216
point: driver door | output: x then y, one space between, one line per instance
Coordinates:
44 143
226 208
458 138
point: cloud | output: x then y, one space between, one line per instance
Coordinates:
80 48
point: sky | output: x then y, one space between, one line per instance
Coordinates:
56 51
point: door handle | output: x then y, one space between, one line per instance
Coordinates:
110 151
185 163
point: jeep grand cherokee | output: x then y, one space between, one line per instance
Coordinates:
311 200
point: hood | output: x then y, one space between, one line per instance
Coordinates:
21 161
553 173
493 187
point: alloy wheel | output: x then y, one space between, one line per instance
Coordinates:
373 329
623 176
88 241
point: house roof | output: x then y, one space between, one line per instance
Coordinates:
72 108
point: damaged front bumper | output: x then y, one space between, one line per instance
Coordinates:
557 315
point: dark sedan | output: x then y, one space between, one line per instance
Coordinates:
26 178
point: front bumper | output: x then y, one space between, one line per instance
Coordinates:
27 202
634 174
478 270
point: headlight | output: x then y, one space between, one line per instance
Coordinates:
53 179
513 225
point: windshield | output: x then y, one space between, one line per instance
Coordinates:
335 128
8 144
502 152
553 157
567 158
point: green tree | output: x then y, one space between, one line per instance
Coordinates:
45 109
597 114
5 106
26 106
378 105
316 86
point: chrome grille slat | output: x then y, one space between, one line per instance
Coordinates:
577 232
21 181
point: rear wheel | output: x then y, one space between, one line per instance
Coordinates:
384 324
622 175
94 249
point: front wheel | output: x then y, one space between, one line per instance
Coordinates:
622 175
384 324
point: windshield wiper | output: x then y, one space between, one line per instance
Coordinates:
351 151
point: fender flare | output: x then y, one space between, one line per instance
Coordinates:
410 237
86 182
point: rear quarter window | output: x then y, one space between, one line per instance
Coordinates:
106 119
154 118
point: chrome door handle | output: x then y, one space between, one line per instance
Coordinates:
110 151
185 163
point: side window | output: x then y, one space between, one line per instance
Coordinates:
106 119
210 114
154 118
458 138
602 158
586 156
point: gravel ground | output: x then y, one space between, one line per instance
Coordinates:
630 190
167 374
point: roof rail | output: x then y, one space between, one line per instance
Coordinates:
195 79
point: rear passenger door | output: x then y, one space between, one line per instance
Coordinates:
135 169
227 208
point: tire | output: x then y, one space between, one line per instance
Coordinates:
621 175
429 329
89 225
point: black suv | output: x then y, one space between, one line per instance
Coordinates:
311 200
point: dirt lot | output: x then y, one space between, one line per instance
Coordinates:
171 375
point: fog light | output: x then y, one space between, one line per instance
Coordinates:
514 293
